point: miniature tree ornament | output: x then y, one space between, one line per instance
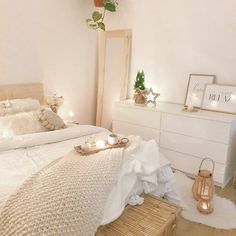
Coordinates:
140 90
140 81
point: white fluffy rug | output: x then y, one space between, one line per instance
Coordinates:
223 216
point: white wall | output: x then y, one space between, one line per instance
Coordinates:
172 39
48 41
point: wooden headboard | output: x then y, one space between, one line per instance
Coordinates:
14 91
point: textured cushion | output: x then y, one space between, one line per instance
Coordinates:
10 107
50 120
20 123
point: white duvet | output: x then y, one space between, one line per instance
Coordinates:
143 168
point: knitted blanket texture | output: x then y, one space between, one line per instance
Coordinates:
65 198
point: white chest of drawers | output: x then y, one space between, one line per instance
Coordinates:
184 138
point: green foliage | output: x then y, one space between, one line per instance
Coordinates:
96 16
96 22
140 80
110 5
102 26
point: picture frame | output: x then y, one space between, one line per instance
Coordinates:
219 98
196 87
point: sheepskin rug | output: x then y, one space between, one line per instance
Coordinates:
223 216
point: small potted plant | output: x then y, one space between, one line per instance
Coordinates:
140 90
97 20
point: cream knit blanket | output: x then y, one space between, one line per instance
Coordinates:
65 198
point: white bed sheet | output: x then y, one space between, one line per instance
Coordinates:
20 157
20 161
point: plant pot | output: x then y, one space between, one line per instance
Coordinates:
139 96
98 3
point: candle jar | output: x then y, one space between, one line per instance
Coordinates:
190 107
100 144
205 206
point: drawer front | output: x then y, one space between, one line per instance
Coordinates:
147 118
194 146
205 129
121 127
190 164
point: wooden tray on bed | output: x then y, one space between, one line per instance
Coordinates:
95 149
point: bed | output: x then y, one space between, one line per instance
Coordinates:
141 169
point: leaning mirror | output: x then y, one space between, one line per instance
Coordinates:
113 72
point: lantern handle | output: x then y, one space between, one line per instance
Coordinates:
208 159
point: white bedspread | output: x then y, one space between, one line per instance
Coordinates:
142 170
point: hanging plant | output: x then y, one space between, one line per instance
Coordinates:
97 20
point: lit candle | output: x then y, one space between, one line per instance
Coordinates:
100 144
71 114
190 106
214 104
204 205
7 104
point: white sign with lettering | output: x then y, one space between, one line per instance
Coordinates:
219 98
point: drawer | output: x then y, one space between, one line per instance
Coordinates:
190 164
205 129
147 118
195 147
121 127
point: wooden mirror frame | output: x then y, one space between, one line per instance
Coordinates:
103 37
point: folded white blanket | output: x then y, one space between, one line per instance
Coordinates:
140 165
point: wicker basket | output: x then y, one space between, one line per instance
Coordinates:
154 217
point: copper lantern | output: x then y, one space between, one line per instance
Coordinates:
203 188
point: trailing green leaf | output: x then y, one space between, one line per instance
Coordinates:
109 6
88 20
96 16
93 26
102 26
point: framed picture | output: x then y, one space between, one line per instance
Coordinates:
196 86
218 97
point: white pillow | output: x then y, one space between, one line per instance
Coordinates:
20 123
50 120
10 107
